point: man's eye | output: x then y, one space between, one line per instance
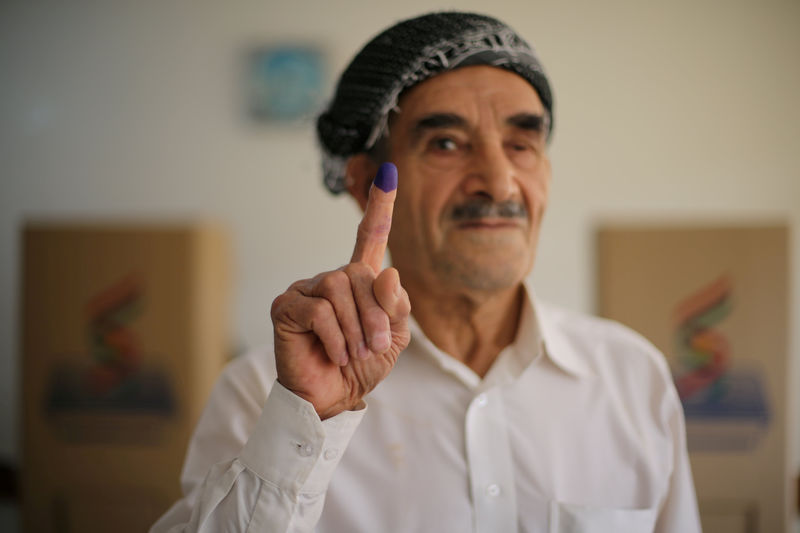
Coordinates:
518 147
445 144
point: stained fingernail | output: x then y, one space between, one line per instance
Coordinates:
381 342
363 351
386 179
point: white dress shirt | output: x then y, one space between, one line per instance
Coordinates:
576 428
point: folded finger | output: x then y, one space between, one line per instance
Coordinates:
335 287
374 320
318 316
391 296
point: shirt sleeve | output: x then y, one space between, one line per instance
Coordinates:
678 513
267 472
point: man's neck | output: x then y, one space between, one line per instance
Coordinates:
471 326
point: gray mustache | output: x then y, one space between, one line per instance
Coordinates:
485 209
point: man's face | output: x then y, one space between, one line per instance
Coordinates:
469 146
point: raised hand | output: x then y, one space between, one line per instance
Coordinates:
338 334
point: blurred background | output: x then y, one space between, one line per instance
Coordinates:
678 112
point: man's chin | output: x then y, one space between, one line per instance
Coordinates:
485 273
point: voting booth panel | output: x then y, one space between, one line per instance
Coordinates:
124 330
715 301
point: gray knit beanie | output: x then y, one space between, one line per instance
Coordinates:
404 55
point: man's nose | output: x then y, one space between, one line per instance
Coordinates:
491 173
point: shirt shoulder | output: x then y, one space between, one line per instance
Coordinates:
604 347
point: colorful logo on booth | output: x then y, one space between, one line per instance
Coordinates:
725 404
111 375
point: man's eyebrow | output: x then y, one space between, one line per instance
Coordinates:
528 121
436 121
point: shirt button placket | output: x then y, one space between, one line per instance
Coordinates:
330 454
482 400
489 464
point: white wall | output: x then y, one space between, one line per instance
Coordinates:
674 110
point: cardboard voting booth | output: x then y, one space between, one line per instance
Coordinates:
124 330
715 301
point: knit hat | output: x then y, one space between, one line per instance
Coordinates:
404 55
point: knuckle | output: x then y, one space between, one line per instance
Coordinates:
298 286
320 310
361 271
332 282
278 305
375 227
286 300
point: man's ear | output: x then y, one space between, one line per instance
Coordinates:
361 170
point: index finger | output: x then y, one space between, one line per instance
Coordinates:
373 231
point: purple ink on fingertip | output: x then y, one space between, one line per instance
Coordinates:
386 178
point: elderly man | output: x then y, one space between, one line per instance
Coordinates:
483 410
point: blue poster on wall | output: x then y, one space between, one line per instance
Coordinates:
285 82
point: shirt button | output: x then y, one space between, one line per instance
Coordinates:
330 454
305 450
482 400
493 490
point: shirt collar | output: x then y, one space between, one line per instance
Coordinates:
539 324
557 344
446 362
